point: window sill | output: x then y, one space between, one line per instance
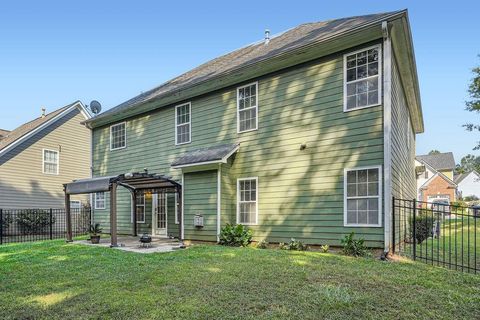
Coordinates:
360 108
362 225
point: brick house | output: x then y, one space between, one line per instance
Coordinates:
435 177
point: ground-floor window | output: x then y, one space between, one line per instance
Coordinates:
247 201
362 196
140 210
75 204
99 200
177 205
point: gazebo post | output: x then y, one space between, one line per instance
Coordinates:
113 215
134 212
68 216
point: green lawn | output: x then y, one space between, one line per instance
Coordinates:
54 280
458 244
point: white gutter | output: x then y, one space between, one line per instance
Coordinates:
387 134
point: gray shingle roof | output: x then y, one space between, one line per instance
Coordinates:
3 133
441 161
25 128
295 38
215 153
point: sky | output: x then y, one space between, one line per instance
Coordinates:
55 52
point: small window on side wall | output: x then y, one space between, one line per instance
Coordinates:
247 107
99 200
362 197
183 123
362 78
140 210
50 161
118 136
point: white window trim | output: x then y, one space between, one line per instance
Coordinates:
76 201
43 161
380 64
96 203
144 210
189 123
380 197
256 107
238 201
111 128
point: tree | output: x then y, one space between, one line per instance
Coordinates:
468 163
473 105
434 151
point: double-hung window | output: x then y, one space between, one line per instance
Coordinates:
50 161
140 209
183 124
99 200
247 201
118 136
363 194
247 107
362 78
75 204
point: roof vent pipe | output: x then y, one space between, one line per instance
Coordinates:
267 36
43 112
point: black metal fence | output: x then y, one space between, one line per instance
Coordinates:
437 233
22 225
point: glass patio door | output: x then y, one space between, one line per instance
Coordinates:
160 214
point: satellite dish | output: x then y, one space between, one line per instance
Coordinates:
95 106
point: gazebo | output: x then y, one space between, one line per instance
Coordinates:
134 182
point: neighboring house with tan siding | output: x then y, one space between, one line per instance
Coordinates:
39 156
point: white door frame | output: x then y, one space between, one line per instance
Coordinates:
154 215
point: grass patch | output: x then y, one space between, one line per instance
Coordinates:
54 280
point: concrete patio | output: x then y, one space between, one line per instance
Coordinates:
132 244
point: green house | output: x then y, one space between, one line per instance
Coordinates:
307 134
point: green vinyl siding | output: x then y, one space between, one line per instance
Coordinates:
301 191
173 229
200 197
403 155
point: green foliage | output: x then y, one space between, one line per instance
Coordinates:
424 223
293 245
235 235
468 164
434 151
325 248
33 221
95 230
473 104
352 247
262 244
6 221
470 198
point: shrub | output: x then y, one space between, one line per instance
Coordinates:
95 229
324 248
293 245
470 198
33 221
352 247
424 227
6 221
262 244
235 235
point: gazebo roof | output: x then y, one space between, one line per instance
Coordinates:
131 181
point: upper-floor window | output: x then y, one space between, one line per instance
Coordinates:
247 107
50 161
362 80
247 201
363 194
118 136
140 210
99 200
75 204
183 125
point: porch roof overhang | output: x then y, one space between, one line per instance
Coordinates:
132 181
206 156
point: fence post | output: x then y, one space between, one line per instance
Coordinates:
1 226
393 225
51 224
414 229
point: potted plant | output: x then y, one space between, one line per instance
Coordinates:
95 232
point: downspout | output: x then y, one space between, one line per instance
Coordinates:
387 134
219 199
